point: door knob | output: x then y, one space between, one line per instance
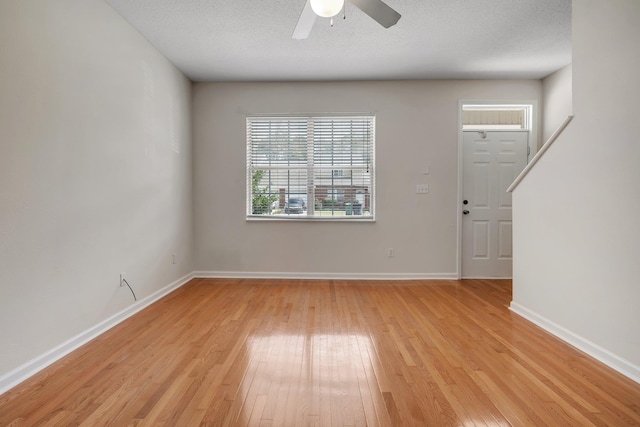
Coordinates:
465 212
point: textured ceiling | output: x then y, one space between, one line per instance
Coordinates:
250 40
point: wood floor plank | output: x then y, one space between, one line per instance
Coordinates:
227 352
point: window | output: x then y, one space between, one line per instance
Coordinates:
316 167
488 117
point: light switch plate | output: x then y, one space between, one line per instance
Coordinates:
422 189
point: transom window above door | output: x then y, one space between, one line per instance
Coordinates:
496 117
311 167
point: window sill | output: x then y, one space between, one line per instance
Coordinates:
304 218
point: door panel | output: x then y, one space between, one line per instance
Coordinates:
481 185
491 161
504 240
480 239
507 175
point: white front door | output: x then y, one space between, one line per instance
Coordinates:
491 161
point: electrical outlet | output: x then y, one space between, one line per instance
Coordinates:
122 279
391 252
173 258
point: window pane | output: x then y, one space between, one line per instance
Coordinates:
272 188
278 143
342 142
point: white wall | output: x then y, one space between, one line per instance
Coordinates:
417 126
557 95
95 171
576 227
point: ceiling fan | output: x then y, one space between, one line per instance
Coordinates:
376 9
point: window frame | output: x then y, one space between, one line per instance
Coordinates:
368 118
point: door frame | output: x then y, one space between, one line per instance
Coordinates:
533 148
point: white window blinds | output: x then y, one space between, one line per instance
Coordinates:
310 167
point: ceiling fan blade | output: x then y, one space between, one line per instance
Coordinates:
305 22
379 11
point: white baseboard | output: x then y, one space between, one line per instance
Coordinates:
326 276
35 365
614 361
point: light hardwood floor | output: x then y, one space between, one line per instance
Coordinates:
327 352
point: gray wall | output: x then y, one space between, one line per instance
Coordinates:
95 171
557 95
576 228
417 126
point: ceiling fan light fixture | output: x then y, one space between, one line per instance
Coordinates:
326 8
